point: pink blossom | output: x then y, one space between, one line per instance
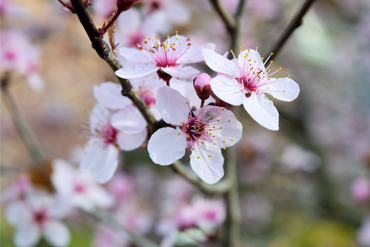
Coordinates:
246 80
360 190
101 150
104 8
121 186
38 214
79 187
164 58
205 130
17 190
202 86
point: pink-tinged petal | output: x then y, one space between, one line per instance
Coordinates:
180 72
139 71
228 130
262 110
17 214
129 119
194 54
132 16
62 177
255 59
207 162
99 117
167 145
109 95
219 63
156 23
101 197
134 55
56 233
130 141
106 165
172 106
178 12
229 90
26 235
284 89
60 206
93 152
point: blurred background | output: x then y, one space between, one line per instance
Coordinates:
306 185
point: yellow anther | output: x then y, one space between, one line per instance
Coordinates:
168 36
249 60
198 121
249 49
214 143
224 148
218 120
188 136
288 75
224 141
262 58
231 51
192 149
176 31
271 61
271 53
240 48
283 91
222 109
232 140
229 120
209 156
213 136
187 102
280 68
214 126
182 122
277 77
198 157
256 47
188 125
220 128
179 43
203 142
178 133
213 115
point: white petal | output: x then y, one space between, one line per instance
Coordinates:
56 233
179 13
229 90
180 72
27 235
99 117
172 106
284 89
36 82
129 119
194 54
228 130
132 16
109 94
130 141
62 177
106 165
166 146
139 71
254 56
209 169
135 55
101 197
17 214
219 63
91 156
156 23
262 110
61 206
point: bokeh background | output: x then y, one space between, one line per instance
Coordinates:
306 185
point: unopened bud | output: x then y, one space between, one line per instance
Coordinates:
202 86
124 5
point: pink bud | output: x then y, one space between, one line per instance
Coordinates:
202 86
124 5
360 190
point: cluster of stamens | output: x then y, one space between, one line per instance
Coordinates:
164 54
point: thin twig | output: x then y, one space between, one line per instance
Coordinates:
227 18
235 33
219 188
107 55
21 124
293 25
108 219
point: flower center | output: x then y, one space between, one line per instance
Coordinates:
109 134
80 188
40 217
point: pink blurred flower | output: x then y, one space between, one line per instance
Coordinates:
17 190
104 8
205 130
8 9
360 190
121 186
263 9
246 80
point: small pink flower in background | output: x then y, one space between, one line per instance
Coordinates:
121 187
17 190
106 236
246 80
104 8
38 214
101 150
79 187
263 9
294 158
205 131
164 58
360 190
363 235
17 53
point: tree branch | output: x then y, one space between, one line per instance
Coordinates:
227 18
294 24
108 219
219 188
107 55
21 124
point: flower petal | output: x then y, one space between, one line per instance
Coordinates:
129 119
180 72
194 54
166 146
262 110
172 106
109 94
284 89
56 233
106 164
93 151
229 90
16 213
130 141
139 71
255 59
26 235
134 55
207 162
219 63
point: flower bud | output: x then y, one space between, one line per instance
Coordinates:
202 86
124 5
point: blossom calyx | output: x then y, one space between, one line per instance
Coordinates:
202 85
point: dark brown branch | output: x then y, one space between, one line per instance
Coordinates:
293 25
227 18
219 188
107 55
21 124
